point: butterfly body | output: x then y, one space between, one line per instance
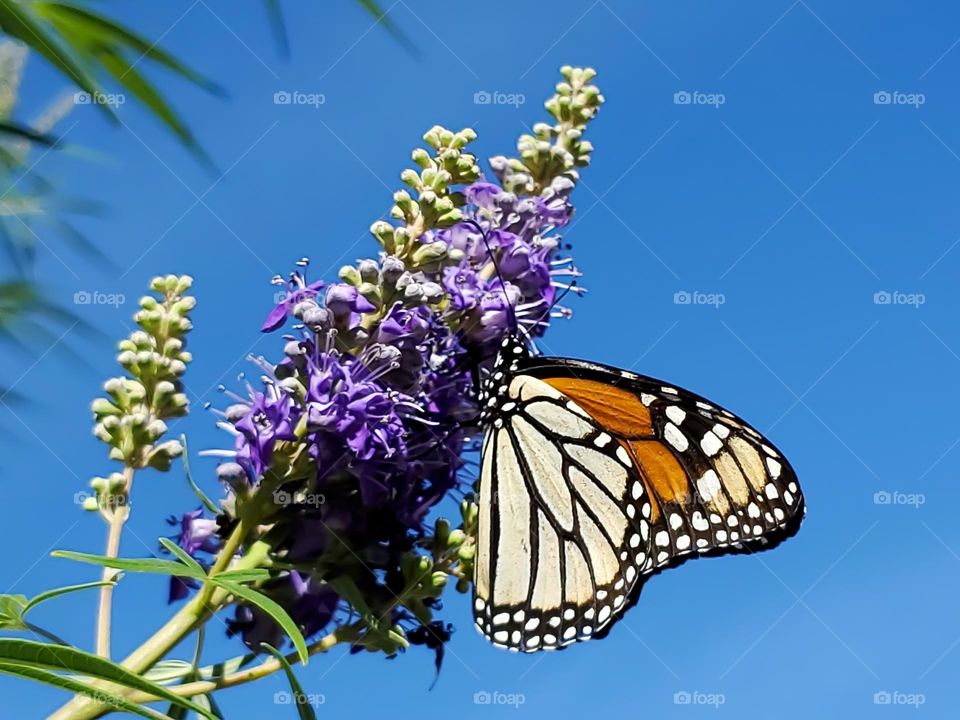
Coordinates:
593 478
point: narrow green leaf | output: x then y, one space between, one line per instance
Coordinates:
137 84
26 133
373 7
245 576
166 671
18 20
279 27
271 608
204 498
46 655
304 709
106 31
180 713
182 555
79 688
146 565
57 592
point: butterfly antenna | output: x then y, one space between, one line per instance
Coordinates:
496 269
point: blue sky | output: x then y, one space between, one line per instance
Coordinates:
787 188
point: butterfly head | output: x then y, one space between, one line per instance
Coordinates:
493 391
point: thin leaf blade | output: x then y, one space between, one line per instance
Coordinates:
304 709
144 565
47 656
272 608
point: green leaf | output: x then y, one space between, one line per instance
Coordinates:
373 7
271 608
11 612
17 19
45 655
204 498
245 576
25 132
166 671
179 713
104 31
141 88
182 555
279 27
57 592
145 565
304 709
79 688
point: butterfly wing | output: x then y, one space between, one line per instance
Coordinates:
592 477
561 538
715 484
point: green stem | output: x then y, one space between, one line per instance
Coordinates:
197 611
117 519
344 634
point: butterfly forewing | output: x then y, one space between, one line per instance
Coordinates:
714 482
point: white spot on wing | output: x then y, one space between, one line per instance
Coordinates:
711 444
676 438
675 414
708 485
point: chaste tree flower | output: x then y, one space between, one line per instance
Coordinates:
361 425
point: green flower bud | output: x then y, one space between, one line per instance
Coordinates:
350 275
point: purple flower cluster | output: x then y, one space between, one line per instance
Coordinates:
485 296
378 386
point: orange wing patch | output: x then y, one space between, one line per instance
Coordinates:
665 477
618 411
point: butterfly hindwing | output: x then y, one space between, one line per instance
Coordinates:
561 538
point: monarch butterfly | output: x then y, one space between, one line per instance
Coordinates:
592 478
